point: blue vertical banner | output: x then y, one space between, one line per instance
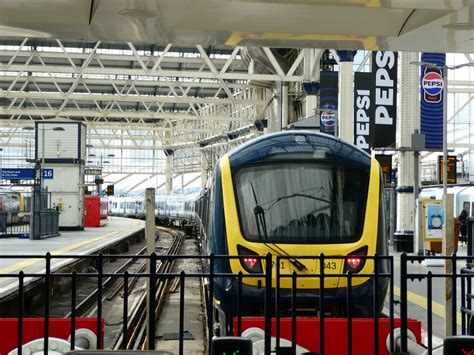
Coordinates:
431 106
328 96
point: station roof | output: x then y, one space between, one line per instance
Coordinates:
416 25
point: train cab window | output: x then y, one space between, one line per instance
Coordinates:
301 202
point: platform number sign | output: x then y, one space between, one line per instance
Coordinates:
47 174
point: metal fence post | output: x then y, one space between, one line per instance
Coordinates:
99 300
181 311
151 302
20 312
375 304
277 302
210 310
125 308
268 302
47 287
403 302
454 293
321 303
73 309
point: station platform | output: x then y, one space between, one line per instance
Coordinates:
85 242
417 296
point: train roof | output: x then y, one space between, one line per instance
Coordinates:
298 145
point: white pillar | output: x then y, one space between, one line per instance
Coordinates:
311 60
346 101
169 174
284 105
204 167
274 125
407 121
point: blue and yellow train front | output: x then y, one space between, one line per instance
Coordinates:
298 194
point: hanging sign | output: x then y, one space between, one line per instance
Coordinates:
363 111
384 78
375 103
329 83
431 106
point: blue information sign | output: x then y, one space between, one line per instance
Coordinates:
18 174
24 174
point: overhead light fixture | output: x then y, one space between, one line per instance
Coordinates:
460 26
138 13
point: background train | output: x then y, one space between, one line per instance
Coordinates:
15 205
463 197
175 210
295 193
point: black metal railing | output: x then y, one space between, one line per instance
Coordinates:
271 291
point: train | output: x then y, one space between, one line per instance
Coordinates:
463 197
295 193
15 206
170 210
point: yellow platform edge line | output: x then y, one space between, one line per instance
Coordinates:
421 301
23 264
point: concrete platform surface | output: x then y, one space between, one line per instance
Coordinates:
417 295
85 242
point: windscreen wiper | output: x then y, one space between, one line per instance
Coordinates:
259 213
297 194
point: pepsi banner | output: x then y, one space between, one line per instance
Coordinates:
329 87
363 111
384 78
431 106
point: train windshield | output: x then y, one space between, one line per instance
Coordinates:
301 202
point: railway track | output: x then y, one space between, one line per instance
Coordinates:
119 288
136 335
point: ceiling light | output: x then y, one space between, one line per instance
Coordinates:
138 13
460 26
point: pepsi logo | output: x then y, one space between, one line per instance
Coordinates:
328 118
432 83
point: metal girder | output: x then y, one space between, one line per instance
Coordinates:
127 98
35 68
103 81
78 113
134 99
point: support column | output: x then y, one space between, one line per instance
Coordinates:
346 96
284 105
169 172
204 167
311 78
275 123
408 121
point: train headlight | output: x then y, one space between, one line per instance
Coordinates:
249 260
355 261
